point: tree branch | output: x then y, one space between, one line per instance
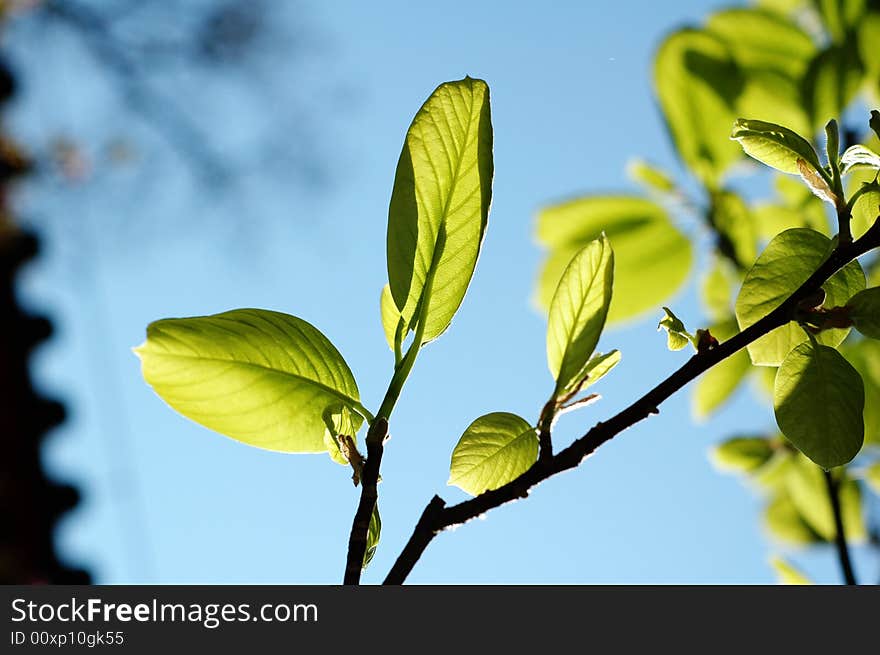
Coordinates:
846 568
437 517
357 540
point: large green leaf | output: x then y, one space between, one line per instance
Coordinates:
775 145
786 263
839 16
809 493
818 400
578 311
261 377
716 385
866 209
697 82
652 258
440 204
495 449
864 310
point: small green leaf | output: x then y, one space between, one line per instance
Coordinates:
578 311
650 176
440 204
864 355
776 146
374 532
652 258
261 377
742 454
786 263
809 493
495 449
864 310
859 156
785 523
716 385
598 367
818 400
677 336
788 574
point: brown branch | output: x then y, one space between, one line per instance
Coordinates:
437 517
357 540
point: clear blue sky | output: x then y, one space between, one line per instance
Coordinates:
572 104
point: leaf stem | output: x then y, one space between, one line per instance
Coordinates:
437 517
833 487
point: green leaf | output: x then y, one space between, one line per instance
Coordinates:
698 82
869 36
374 532
809 493
866 208
495 449
788 574
818 400
650 176
652 258
578 311
859 156
440 204
776 146
677 336
734 223
786 263
784 522
261 377
390 315
832 81
742 454
864 310
716 385
598 367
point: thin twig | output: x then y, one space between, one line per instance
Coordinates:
846 568
437 517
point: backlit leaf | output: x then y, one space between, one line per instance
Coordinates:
775 145
788 574
786 263
742 454
261 377
818 400
809 493
864 310
677 337
440 203
578 311
495 449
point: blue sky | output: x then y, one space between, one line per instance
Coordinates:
168 501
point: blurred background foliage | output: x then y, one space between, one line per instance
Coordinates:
797 63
